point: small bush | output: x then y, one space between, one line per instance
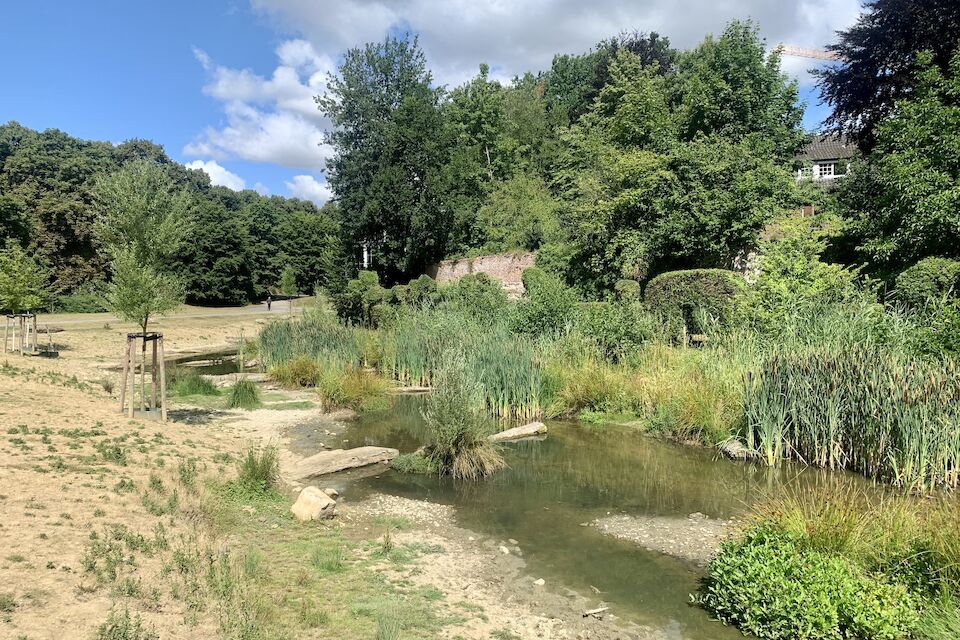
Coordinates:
548 305
458 429
682 297
259 469
244 395
618 328
768 585
299 372
627 290
477 295
87 298
929 279
188 382
352 387
414 463
124 627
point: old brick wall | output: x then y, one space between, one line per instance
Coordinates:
507 268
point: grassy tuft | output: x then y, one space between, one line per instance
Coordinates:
244 395
188 382
259 469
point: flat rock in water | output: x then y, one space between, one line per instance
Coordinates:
526 431
339 460
736 450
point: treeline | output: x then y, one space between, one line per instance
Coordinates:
628 160
241 244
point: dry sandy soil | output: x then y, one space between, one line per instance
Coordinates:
101 514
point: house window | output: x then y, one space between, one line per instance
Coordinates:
826 170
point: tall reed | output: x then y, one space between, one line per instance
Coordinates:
861 408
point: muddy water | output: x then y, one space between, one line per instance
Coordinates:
553 487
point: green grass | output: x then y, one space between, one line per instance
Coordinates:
244 394
258 470
188 382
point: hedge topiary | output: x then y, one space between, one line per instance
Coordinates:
680 296
627 290
931 278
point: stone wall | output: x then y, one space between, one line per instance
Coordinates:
507 268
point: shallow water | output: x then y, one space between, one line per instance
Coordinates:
577 474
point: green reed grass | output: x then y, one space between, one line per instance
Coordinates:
244 395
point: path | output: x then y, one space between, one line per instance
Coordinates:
280 308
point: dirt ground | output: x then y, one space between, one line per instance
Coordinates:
107 523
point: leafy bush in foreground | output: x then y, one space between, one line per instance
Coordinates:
767 584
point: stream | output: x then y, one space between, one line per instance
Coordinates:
581 472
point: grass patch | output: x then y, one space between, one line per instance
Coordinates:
258 470
188 382
244 394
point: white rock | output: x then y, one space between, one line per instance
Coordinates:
313 504
333 493
539 582
504 550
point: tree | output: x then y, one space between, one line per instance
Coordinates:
879 61
903 201
215 266
310 244
288 281
519 214
23 280
140 291
730 86
390 148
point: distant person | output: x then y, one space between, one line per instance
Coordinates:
269 301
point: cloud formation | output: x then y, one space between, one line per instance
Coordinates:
309 188
218 175
271 119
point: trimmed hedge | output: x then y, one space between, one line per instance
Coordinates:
931 278
680 296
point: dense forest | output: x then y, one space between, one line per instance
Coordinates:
239 244
623 162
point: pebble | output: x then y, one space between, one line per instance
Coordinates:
504 550
539 582
513 542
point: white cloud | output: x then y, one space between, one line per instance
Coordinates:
309 188
270 119
261 188
273 118
515 36
218 175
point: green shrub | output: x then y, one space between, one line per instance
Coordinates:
766 584
124 627
548 305
929 279
477 295
681 298
188 382
356 302
351 387
259 469
302 371
458 430
414 463
87 298
421 291
618 328
627 290
244 395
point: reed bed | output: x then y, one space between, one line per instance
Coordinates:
861 408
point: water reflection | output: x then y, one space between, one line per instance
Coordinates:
578 473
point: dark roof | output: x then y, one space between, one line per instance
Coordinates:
827 147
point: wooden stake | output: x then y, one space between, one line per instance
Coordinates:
143 373
34 333
153 376
163 382
123 376
132 348
6 332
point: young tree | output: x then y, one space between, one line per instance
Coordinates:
23 280
879 56
142 223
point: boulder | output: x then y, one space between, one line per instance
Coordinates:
333 493
526 431
339 460
736 450
313 504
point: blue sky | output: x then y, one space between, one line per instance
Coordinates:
229 85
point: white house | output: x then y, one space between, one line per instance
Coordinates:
825 158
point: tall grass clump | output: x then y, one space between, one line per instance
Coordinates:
351 387
458 430
258 469
860 408
315 335
244 395
188 382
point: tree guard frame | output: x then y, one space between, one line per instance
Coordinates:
158 374
24 333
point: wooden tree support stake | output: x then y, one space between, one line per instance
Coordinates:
158 375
